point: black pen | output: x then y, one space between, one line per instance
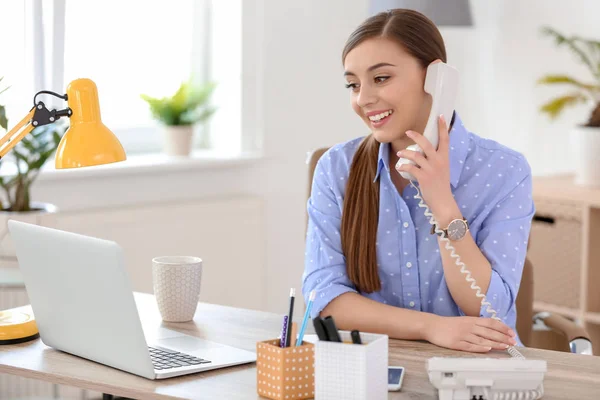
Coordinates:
288 340
355 337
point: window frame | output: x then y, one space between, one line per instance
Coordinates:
48 70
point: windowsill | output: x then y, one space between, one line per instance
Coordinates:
148 163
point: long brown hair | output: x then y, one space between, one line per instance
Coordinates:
420 38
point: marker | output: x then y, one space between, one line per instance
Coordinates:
288 339
332 332
320 329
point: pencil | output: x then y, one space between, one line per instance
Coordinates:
290 315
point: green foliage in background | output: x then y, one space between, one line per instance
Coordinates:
587 52
28 156
189 105
3 120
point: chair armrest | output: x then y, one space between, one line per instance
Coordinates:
579 339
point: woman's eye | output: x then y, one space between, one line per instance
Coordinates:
381 79
352 86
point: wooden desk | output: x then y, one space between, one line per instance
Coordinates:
568 377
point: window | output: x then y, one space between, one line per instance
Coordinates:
13 64
128 48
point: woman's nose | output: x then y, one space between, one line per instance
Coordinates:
366 96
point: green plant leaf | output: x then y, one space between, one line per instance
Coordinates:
555 106
6 88
199 95
197 115
179 99
558 79
57 138
28 145
561 40
180 108
3 119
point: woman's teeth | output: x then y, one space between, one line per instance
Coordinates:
379 117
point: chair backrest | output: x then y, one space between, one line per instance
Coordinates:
524 301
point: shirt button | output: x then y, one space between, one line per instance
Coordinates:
406 224
408 264
412 304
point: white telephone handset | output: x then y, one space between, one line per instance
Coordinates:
441 82
460 377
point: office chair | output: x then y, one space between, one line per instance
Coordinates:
543 330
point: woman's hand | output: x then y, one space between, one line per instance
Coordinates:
474 334
432 170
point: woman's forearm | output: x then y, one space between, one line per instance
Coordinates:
353 311
470 254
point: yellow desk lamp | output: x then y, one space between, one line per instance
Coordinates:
87 142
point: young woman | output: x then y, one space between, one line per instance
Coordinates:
370 254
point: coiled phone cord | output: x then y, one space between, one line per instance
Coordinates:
495 395
463 268
514 395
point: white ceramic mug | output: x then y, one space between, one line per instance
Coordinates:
177 286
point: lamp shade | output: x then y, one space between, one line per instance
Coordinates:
88 141
441 12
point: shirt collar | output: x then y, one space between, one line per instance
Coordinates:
459 147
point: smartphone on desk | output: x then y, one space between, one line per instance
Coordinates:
395 378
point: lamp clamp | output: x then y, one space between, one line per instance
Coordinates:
43 116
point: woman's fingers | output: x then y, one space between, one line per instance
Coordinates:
482 341
495 325
474 348
493 335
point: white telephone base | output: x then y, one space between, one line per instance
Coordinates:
461 378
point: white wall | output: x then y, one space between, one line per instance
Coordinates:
502 57
304 106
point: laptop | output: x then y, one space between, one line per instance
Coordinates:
83 304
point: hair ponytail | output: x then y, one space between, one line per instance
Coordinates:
360 216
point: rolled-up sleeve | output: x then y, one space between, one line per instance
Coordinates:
503 241
324 265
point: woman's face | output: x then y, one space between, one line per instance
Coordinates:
387 89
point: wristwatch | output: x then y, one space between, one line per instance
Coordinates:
456 230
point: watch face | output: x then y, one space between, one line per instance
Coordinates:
457 229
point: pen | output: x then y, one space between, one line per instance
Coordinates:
288 339
283 331
355 337
313 294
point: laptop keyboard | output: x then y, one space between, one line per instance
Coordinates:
166 359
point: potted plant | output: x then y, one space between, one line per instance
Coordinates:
585 138
178 114
28 157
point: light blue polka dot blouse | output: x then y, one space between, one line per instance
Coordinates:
492 186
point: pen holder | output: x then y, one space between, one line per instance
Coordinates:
285 373
352 371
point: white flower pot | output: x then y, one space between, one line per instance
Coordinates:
43 214
178 140
585 145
